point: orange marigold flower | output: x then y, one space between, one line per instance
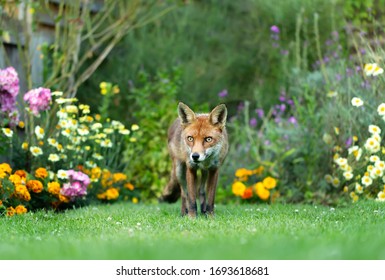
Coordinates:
112 193
129 186
54 188
238 188
22 192
269 183
248 193
1 203
41 173
117 177
261 191
20 209
35 185
242 172
63 198
21 173
10 211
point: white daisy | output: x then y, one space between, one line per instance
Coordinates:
36 151
39 131
7 132
53 157
357 102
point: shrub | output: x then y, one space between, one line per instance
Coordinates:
153 106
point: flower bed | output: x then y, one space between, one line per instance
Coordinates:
61 155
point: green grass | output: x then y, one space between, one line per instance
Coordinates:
127 231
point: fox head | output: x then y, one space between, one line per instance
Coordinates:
203 134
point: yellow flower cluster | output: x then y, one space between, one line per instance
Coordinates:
113 185
261 188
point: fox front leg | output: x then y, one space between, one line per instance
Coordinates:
212 181
191 178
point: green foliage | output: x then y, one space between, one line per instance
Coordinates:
220 44
153 105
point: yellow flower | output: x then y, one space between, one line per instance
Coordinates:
21 124
103 85
24 146
41 173
261 191
112 193
135 200
134 127
269 183
243 172
238 188
15 179
54 188
117 177
6 168
20 209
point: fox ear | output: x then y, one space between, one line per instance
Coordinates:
218 115
186 115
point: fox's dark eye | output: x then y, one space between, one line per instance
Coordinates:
208 139
190 138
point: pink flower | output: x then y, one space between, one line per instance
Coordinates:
38 99
73 190
77 185
274 29
9 89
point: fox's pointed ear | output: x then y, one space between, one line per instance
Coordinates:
218 115
186 115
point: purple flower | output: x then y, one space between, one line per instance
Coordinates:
253 122
38 99
260 113
293 120
223 93
349 142
284 52
9 89
274 29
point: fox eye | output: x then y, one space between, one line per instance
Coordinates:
190 138
208 139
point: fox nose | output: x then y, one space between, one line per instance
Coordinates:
195 156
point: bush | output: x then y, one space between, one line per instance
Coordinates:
153 104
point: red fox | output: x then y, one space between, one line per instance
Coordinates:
196 142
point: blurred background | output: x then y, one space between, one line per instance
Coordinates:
286 69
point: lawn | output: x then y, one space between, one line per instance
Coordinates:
129 231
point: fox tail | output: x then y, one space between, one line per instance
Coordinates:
171 192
